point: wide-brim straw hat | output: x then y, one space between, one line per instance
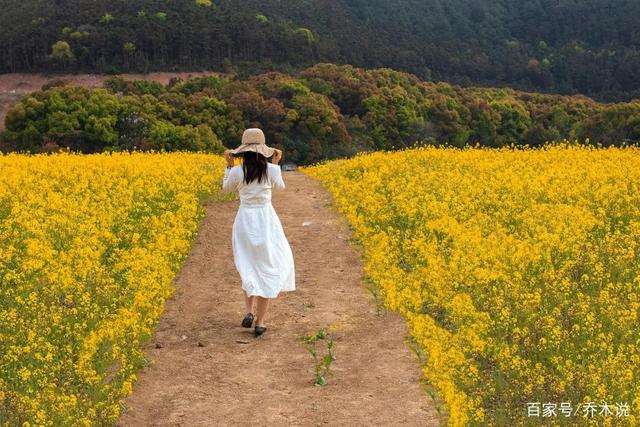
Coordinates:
253 140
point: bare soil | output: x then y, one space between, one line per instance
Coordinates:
205 369
14 85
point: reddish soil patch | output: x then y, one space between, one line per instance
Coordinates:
205 369
26 83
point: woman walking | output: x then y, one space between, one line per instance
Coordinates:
261 252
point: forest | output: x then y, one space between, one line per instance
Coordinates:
326 111
589 47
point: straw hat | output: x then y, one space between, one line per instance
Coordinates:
253 140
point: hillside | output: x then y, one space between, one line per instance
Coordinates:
588 47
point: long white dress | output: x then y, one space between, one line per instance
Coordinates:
261 252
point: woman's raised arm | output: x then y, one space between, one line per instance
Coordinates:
231 178
276 178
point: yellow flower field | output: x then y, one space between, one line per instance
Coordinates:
517 272
89 247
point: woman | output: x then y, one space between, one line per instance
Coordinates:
261 251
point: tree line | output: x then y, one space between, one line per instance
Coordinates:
325 111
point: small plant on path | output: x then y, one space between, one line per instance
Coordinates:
322 363
415 347
375 293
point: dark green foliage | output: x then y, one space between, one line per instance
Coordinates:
327 111
94 120
74 117
588 46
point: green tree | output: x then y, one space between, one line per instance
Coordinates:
61 53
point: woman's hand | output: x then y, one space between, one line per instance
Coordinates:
277 156
229 157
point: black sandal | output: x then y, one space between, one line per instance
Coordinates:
247 321
259 330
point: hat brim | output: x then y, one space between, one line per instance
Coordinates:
258 148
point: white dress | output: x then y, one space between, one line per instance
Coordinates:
261 251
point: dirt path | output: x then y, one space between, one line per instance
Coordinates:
202 376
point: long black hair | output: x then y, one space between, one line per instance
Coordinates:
254 166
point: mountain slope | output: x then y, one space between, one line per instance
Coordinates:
566 46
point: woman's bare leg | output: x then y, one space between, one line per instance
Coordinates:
249 301
263 306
